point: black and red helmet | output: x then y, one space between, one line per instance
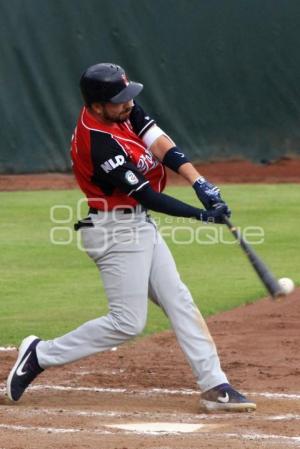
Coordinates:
107 83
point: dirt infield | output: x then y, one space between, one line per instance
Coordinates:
284 170
93 404
149 381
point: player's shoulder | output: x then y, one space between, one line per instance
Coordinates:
105 146
87 122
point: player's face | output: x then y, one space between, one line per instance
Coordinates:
114 113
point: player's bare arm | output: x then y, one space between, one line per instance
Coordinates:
173 157
161 146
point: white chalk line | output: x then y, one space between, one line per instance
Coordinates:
83 389
150 391
260 436
248 436
142 414
287 417
154 391
51 429
38 428
118 414
292 396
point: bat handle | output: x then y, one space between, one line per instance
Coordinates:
231 227
227 221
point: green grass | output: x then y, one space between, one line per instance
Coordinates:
49 289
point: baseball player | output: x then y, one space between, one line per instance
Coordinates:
119 157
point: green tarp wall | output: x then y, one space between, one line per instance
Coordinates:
222 77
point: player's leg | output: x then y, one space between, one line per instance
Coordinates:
124 259
167 290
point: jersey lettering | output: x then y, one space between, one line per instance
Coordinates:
113 163
146 162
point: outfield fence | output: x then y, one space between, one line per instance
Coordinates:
220 76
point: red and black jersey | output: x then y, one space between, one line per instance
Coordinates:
111 161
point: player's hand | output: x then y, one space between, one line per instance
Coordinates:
210 196
216 214
208 193
223 207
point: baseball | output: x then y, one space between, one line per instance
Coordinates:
287 285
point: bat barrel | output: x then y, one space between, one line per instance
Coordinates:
263 272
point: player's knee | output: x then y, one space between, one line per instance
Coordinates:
130 327
134 327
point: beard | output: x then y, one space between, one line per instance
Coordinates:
120 118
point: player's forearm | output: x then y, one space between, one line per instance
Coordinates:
166 204
189 172
162 146
159 202
166 151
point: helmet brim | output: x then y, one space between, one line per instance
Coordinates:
128 93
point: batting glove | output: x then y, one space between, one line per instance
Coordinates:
209 195
215 215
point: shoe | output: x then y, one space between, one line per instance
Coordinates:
225 398
25 369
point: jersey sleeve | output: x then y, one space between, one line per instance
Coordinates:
140 121
112 167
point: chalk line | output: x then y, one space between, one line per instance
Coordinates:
150 391
151 432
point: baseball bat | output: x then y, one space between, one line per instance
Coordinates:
263 272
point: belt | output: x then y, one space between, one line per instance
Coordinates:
125 210
87 222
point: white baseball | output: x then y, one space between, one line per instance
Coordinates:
287 285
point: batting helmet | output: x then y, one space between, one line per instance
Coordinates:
107 83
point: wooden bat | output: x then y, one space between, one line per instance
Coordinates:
263 272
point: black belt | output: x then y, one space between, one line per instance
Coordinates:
125 210
87 222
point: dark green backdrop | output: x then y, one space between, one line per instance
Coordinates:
222 77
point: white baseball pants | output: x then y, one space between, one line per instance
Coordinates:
135 263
